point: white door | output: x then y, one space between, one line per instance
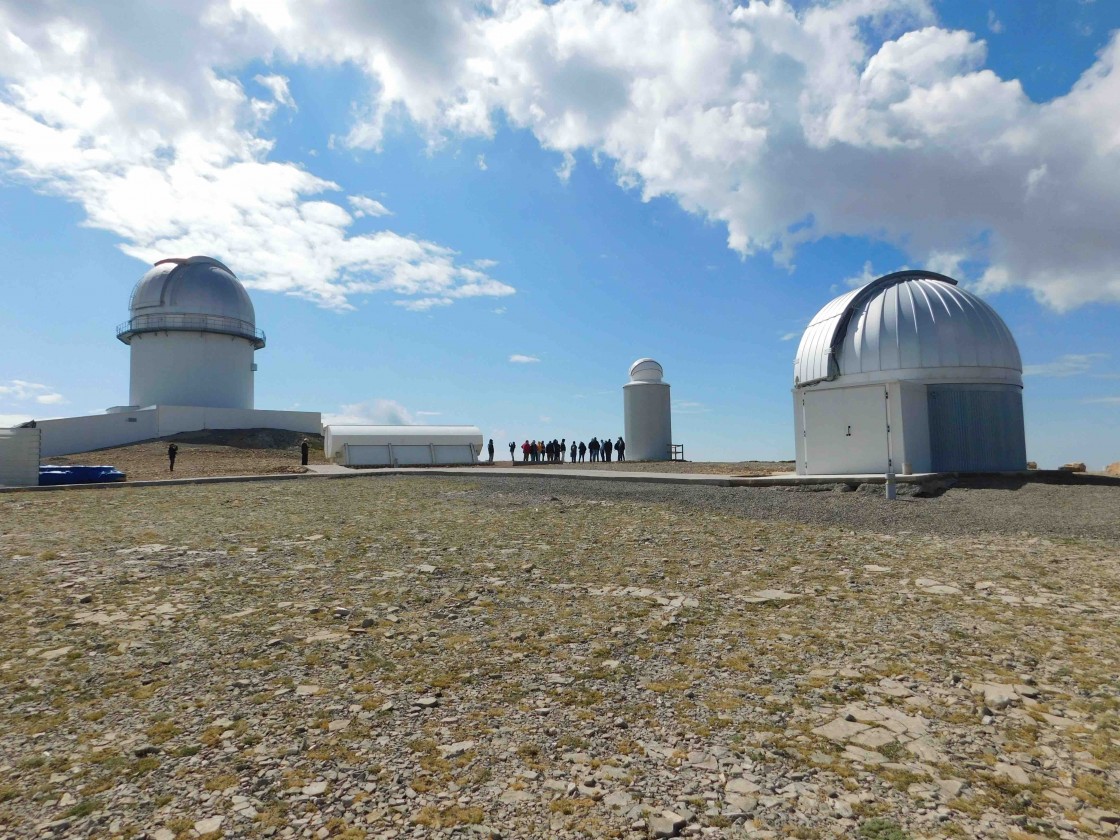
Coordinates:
845 430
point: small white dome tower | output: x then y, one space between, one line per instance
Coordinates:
648 420
192 334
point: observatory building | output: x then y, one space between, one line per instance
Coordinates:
192 335
647 415
908 374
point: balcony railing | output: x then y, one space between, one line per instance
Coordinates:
190 323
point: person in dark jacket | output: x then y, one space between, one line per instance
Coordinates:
572 454
607 449
172 451
304 447
582 451
534 452
593 448
490 449
512 447
620 448
563 449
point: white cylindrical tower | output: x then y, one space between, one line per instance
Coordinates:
648 421
192 334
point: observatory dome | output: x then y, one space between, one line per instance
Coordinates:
197 294
646 370
910 325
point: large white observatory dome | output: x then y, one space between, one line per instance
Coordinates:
192 293
191 336
910 373
908 325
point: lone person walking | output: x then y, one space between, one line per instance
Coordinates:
303 449
172 451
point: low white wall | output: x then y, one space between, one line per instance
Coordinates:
19 457
70 435
183 418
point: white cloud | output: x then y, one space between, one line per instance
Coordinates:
518 358
786 123
994 23
169 155
375 412
278 87
790 336
365 206
689 407
1071 364
480 162
1102 401
423 304
501 310
428 413
22 391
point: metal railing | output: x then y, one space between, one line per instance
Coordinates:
190 323
676 451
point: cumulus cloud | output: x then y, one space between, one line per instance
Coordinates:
170 155
1071 364
378 412
520 359
786 123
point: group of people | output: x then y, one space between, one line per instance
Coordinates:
556 451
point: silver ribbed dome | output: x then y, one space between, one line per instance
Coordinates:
908 325
191 294
646 370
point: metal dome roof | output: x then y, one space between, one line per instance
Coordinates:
908 325
196 294
646 370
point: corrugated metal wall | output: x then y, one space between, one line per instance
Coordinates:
976 429
19 457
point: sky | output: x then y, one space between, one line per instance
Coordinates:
472 211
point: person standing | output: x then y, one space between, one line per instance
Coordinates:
620 448
172 451
573 452
593 448
512 446
607 449
525 451
303 450
490 450
582 451
563 448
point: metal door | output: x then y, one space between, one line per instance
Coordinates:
845 430
976 429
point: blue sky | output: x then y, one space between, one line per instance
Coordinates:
417 197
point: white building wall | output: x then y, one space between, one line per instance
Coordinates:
188 368
19 457
70 435
910 415
648 421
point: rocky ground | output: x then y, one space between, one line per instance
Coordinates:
215 452
444 657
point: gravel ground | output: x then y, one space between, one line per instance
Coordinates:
1089 509
478 658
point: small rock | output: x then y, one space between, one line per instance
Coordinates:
427 702
209 825
667 824
315 789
